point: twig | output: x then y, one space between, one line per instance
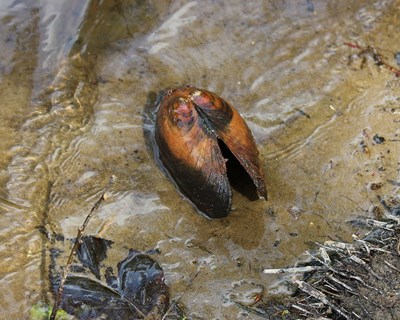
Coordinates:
189 284
356 315
360 304
331 277
293 270
331 287
256 311
380 224
75 248
365 245
325 256
303 310
391 266
346 274
365 265
333 245
353 45
330 293
307 288
375 55
398 247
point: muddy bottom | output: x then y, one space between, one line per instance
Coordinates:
78 81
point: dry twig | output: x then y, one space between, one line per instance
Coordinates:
307 288
292 270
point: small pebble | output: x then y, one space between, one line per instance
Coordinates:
378 139
239 261
375 186
397 57
310 6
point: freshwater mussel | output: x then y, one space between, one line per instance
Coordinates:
193 128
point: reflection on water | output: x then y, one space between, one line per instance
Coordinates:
75 77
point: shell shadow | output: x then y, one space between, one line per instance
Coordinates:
148 122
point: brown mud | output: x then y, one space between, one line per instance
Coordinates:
75 77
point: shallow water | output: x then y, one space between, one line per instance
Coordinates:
78 79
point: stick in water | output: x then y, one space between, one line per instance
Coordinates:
75 247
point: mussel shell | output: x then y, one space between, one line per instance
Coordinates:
189 123
234 132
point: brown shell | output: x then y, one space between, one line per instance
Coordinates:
189 123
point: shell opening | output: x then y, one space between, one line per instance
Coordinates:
239 179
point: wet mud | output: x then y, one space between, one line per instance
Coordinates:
76 78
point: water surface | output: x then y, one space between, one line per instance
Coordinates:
77 82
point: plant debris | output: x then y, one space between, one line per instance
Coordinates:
137 291
378 139
92 252
359 280
372 52
89 290
75 247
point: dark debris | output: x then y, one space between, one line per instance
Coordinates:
378 139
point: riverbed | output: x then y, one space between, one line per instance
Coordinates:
78 84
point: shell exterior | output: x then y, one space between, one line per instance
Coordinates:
189 123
